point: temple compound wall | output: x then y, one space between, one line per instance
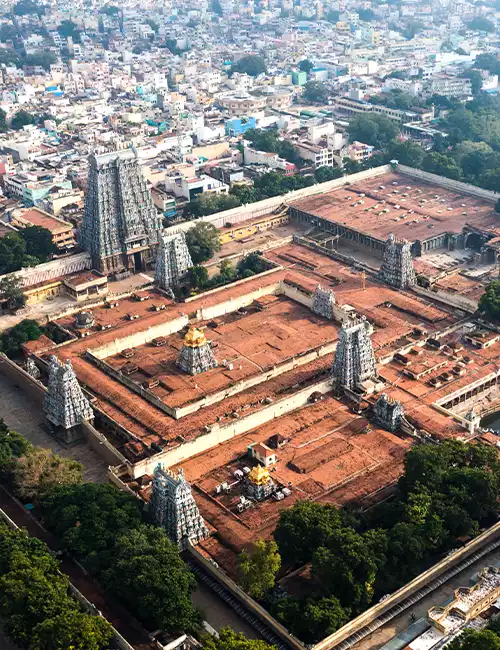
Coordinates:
219 434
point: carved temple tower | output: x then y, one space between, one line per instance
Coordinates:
323 302
388 412
397 265
172 261
172 506
120 224
354 361
65 405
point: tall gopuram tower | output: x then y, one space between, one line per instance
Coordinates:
172 261
397 265
65 405
172 506
196 354
354 361
120 226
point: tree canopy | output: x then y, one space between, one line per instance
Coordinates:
489 303
148 575
315 92
26 330
447 492
252 64
11 291
202 241
209 203
228 639
375 130
22 118
258 568
38 612
481 24
306 66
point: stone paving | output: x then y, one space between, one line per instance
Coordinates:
24 416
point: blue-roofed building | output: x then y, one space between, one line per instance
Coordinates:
238 125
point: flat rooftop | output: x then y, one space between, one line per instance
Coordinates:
409 208
254 340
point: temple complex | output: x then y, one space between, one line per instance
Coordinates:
172 261
65 405
120 224
397 265
32 369
354 361
172 506
323 302
196 355
388 412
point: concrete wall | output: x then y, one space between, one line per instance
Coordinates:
228 306
54 269
219 434
252 210
450 299
140 338
448 183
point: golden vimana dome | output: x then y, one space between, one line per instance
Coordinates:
259 475
195 338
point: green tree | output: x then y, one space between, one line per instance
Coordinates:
40 470
313 619
11 291
12 252
148 575
228 639
473 640
252 64
29 596
38 242
20 119
438 163
26 330
323 174
481 24
375 130
227 271
366 15
306 66
303 528
253 262
333 16
7 32
43 59
88 517
12 445
407 153
72 629
489 302
216 7
202 241
25 7
197 277
258 568
210 203
3 121
315 92
476 80
489 62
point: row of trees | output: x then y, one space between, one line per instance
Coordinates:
264 187
470 153
104 528
27 247
198 280
38 611
446 493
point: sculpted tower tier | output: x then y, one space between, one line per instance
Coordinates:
354 361
120 224
172 261
397 266
173 507
65 405
323 302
